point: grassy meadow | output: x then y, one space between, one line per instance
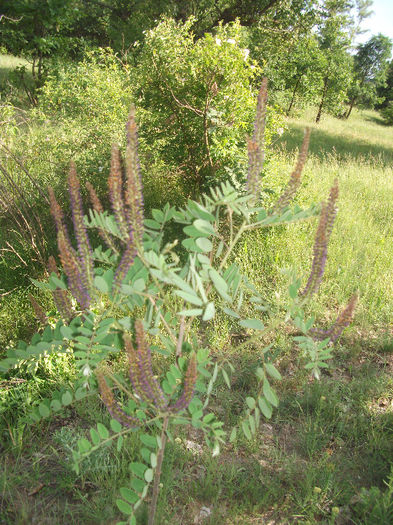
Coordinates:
8 63
359 153
326 456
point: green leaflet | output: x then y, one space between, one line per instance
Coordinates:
103 431
272 371
255 324
265 407
149 441
124 507
138 469
204 244
66 398
269 393
209 312
250 402
246 430
191 298
219 284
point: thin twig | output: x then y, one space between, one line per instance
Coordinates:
157 477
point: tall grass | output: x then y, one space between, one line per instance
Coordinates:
359 153
7 64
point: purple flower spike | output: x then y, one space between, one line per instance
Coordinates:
135 371
343 320
260 119
60 297
38 310
125 264
97 206
113 406
141 373
189 387
325 227
58 216
134 194
254 168
256 145
294 182
72 270
115 184
85 255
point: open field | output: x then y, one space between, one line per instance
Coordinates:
9 63
359 153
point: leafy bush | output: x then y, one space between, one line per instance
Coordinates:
140 274
197 98
96 88
82 107
387 114
374 505
89 102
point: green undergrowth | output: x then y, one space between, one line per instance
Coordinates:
323 457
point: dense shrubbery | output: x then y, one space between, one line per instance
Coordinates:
198 99
387 114
81 107
88 102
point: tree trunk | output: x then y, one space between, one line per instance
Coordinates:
40 67
325 87
352 103
293 94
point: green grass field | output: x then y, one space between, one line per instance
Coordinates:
359 153
7 64
326 456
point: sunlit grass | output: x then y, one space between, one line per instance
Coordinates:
360 257
8 63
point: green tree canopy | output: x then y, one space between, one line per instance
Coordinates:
371 63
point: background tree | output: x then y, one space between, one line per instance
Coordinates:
385 90
276 36
36 29
370 71
303 72
335 33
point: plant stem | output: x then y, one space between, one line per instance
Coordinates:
156 486
181 337
231 246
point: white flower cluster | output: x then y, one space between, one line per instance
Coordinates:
229 40
232 41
